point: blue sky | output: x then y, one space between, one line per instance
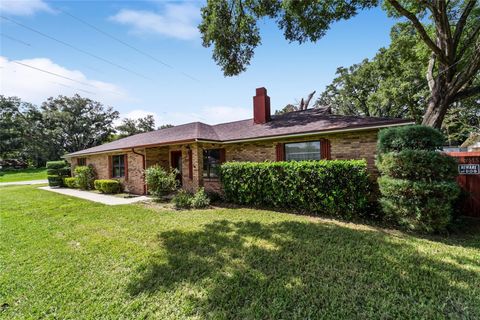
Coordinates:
167 31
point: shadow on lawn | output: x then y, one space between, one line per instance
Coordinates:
308 270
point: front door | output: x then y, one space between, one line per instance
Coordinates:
176 163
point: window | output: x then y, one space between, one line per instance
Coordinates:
118 166
211 163
82 161
299 151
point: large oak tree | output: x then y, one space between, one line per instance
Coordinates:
231 27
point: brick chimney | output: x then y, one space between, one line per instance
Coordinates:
261 106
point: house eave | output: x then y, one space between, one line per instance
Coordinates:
272 137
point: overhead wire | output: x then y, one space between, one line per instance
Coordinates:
75 48
142 52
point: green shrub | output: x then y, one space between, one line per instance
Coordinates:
418 165
418 205
70 182
335 187
418 188
160 182
58 170
200 199
55 181
60 164
85 177
415 137
182 200
108 186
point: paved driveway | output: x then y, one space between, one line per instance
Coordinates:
23 182
96 197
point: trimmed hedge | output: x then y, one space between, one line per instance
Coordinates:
336 187
56 172
418 188
418 165
70 182
85 177
418 205
55 181
414 137
108 186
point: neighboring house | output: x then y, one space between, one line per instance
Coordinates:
197 149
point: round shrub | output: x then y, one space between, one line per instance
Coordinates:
70 182
417 165
182 200
85 177
414 137
56 164
200 199
57 170
108 186
418 205
55 181
160 182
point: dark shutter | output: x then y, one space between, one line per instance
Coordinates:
190 164
222 155
325 149
280 150
125 159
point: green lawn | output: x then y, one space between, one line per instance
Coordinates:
23 175
62 257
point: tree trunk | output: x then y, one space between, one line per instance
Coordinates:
437 105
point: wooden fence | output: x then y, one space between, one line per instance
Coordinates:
469 180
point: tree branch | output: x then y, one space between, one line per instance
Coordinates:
431 66
469 41
420 29
461 23
467 93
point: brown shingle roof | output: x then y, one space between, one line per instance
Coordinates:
307 121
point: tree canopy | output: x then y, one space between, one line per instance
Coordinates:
129 127
230 26
60 125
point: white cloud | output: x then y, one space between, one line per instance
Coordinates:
36 86
24 7
175 21
209 115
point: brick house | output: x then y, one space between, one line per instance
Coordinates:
197 149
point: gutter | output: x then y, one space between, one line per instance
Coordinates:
312 133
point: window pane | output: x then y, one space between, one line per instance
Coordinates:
211 163
302 151
118 166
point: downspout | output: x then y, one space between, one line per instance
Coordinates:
143 165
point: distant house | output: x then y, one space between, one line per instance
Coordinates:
197 149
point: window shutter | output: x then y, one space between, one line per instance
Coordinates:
109 167
190 164
222 155
325 149
280 150
125 159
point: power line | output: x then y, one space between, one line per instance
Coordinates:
146 54
76 48
54 74
15 39
76 89
63 77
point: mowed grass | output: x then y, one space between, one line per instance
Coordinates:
62 257
23 175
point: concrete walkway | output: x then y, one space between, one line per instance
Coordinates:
96 197
18 183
